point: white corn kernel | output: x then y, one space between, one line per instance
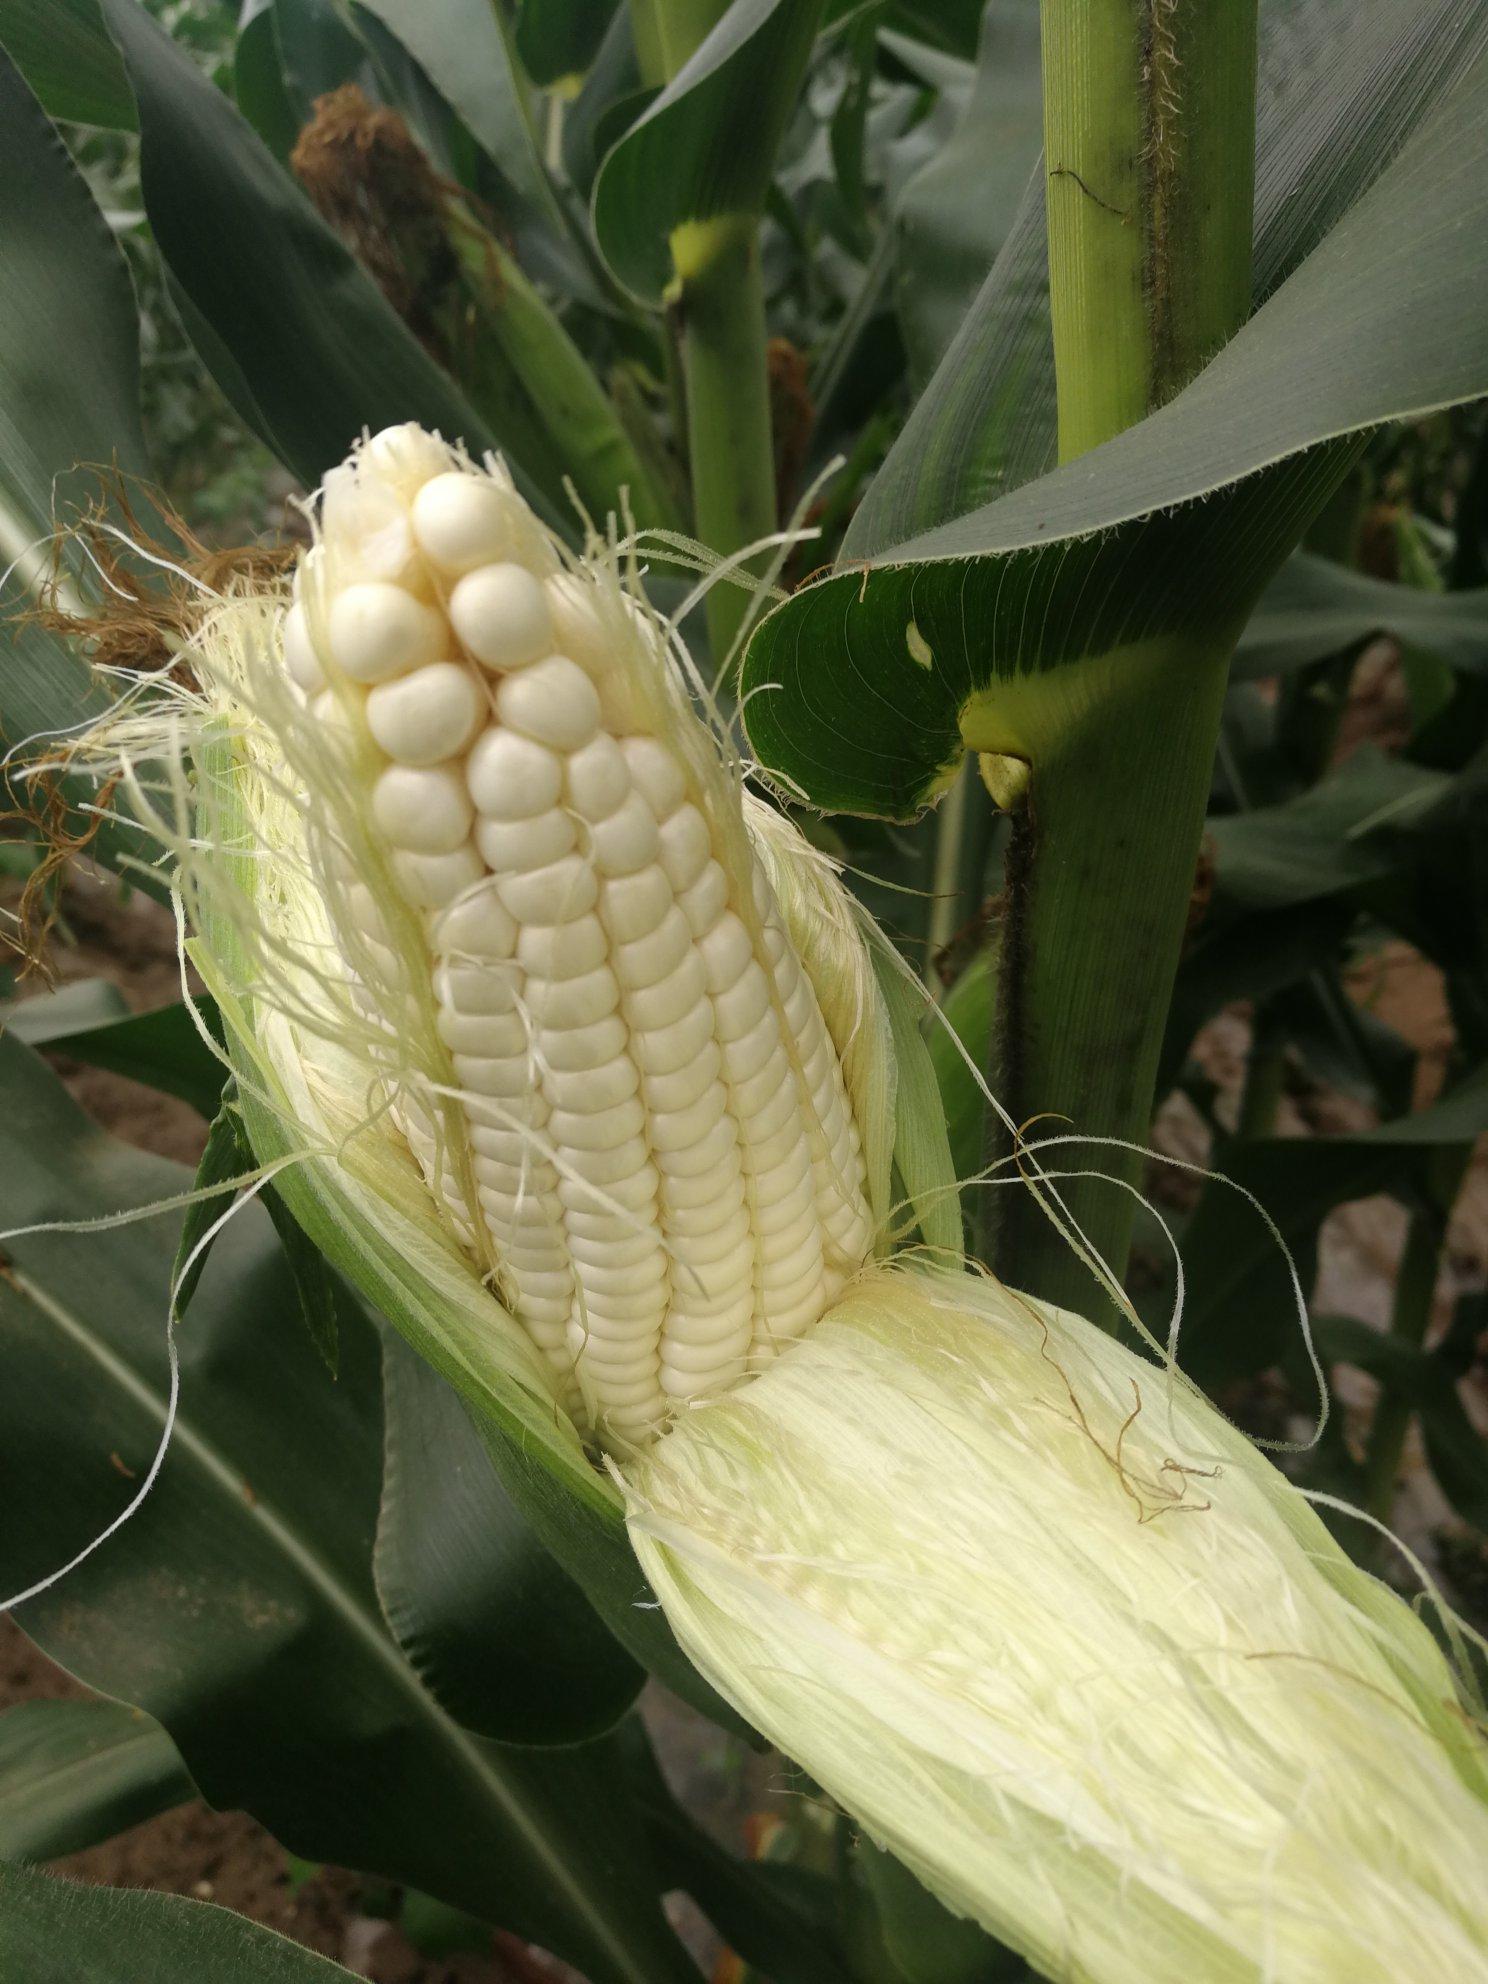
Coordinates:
583 1197
364 910
572 1049
782 1106
627 840
404 456
556 893
366 526
474 988
425 810
476 926
461 521
611 1256
703 902
561 1003
379 630
563 950
685 846
786 1204
512 777
684 1084
308 574
697 1159
576 620
432 880
599 1129
672 1047
651 958
632 906
593 1233
469 1033
655 773
300 657
669 999
726 950
553 702
596 1088
500 613
597 778
634 1305
712 1215
508 1077
758 1047
500 1134
712 1333
704 1187
680 1129
684 1385
428 716
619 1162
511 847
743 1005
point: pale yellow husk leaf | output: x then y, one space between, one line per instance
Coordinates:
1069 1646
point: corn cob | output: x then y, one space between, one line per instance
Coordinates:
668 1171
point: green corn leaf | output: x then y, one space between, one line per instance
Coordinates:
922 1155
1339 92
496 1632
1290 880
69 395
309 335
1455 1447
967 1014
1239 1315
237 1606
69 375
1345 835
955 212
69 337
706 146
63 51
779 1918
558 39
916 1937
62 1932
465 48
314 1284
259 86
949 26
75 1773
1314 609
79 1007
610 101
91 1021
224 1157
1387 318
318 52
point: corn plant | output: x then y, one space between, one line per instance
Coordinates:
810 663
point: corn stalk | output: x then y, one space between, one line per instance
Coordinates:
717 306
1149 118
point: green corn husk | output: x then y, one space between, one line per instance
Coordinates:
1070 1647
